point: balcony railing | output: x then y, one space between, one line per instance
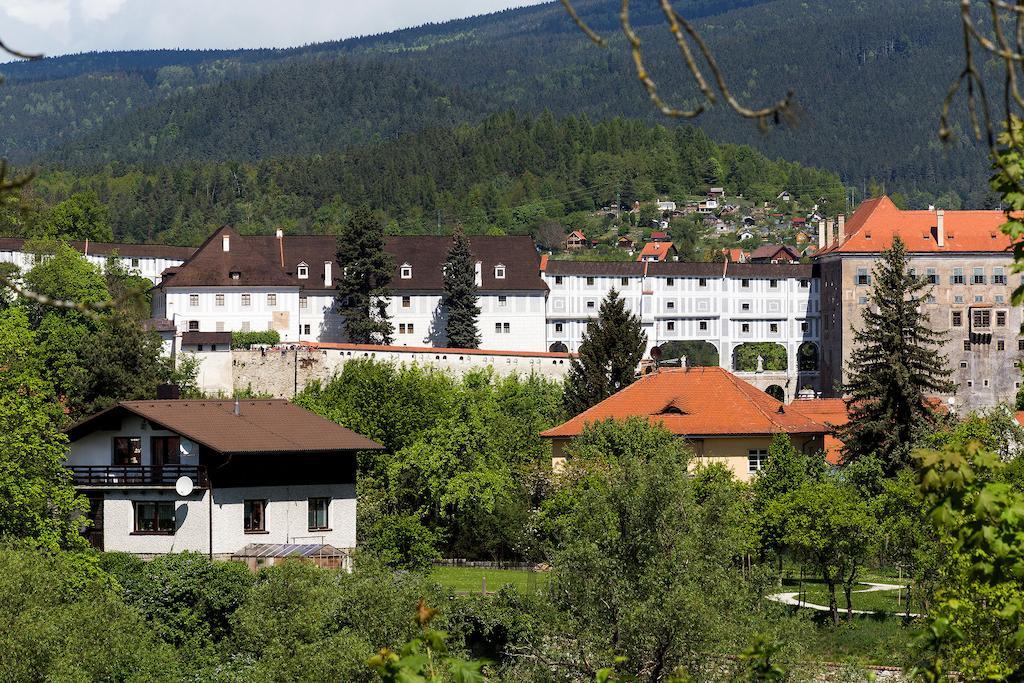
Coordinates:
118 476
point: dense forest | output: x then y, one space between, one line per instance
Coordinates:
868 90
509 174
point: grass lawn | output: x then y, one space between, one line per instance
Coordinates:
470 579
868 639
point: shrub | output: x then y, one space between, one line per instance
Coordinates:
244 340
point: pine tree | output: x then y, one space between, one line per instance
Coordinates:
612 348
896 363
460 295
363 283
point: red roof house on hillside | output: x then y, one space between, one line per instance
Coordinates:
657 251
722 417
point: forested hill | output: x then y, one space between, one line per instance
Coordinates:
507 174
869 76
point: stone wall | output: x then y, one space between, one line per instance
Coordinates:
282 372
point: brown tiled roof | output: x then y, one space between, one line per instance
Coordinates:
107 248
772 270
684 268
595 268
258 259
206 338
769 251
261 427
158 324
695 402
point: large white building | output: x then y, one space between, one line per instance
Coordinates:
146 260
215 477
528 302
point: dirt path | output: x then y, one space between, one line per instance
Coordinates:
791 599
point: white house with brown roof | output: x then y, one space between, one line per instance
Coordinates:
145 260
165 476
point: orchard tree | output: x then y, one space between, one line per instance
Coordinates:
363 286
460 299
612 348
895 365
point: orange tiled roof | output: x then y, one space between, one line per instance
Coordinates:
695 402
873 225
830 412
1020 416
543 262
660 250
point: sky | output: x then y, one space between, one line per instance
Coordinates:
56 27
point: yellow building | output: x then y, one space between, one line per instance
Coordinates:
723 418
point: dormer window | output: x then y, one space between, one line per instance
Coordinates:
406 271
302 271
235 275
499 272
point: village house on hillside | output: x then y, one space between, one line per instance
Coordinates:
214 477
657 251
774 253
576 241
721 417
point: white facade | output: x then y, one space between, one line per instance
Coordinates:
232 309
202 523
148 266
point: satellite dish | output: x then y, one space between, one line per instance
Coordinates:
184 486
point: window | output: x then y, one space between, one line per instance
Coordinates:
756 460
235 275
979 299
745 306
957 278
670 282
805 326
558 279
245 326
981 318
931 276
1000 345
303 302
744 283
862 300
499 272
271 300
218 300
253 516
979 276
624 281
193 300
863 278
506 328
773 328
958 319
804 284
745 327
670 326
967 344
773 284
135 263
302 271
958 299
406 271
671 305
154 517
930 299
1020 344
590 281
702 325
247 299
1000 318
305 329
591 304
199 347
193 325
559 327
502 301
406 302
1000 299
318 517
406 328
127 450
998 276
165 450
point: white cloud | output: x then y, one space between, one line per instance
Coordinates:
100 10
41 14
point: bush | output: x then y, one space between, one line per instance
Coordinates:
244 340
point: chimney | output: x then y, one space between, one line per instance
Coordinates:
840 228
822 238
226 242
86 246
280 244
829 235
328 279
238 407
940 227
479 277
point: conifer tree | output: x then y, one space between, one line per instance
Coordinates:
896 363
612 348
363 283
460 298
